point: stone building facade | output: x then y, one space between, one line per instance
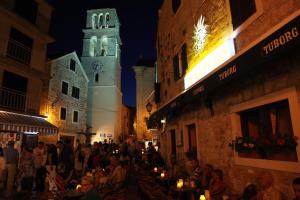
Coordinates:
101 60
24 28
66 103
208 98
145 79
128 116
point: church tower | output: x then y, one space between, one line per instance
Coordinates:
101 60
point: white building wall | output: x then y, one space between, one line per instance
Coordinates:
145 78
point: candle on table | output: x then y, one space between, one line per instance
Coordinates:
179 183
202 197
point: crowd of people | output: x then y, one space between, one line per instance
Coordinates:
99 169
60 167
205 177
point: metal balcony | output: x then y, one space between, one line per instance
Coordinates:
18 52
12 99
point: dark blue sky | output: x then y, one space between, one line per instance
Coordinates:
138 20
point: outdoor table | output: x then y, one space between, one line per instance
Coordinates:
72 195
184 193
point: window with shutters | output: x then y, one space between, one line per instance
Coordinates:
72 65
75 116
176 67
63 113
180 63
184 62
64 87
75 92
241 10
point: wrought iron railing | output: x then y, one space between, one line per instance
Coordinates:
12 99
18 51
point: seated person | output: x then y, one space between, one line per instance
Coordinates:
250 192
118 174
296 187
206 176
268 191
197 171
90 193
175 170
217 186
102 177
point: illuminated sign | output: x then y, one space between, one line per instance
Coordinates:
210 63
200 34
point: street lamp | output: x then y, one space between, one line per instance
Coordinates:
149 107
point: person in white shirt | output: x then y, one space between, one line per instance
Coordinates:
268 191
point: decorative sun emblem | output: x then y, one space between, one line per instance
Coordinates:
200 34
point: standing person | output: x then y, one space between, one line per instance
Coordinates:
40 156
52 160
78 160
26 170
11 156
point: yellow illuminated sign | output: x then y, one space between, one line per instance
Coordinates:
209 63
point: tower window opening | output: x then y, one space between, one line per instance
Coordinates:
96 77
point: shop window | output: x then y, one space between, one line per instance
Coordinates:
64 87
241 10
268 130
75 92
72 65
75 116
63 113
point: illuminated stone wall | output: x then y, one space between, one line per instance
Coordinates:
60 71
101 55
215 132
145 78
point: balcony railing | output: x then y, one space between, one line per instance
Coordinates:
12 99
18 52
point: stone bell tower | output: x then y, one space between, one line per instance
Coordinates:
101 60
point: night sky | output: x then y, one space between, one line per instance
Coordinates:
138 20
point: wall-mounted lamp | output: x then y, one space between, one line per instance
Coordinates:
149 107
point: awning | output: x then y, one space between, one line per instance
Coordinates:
15 122
284 40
